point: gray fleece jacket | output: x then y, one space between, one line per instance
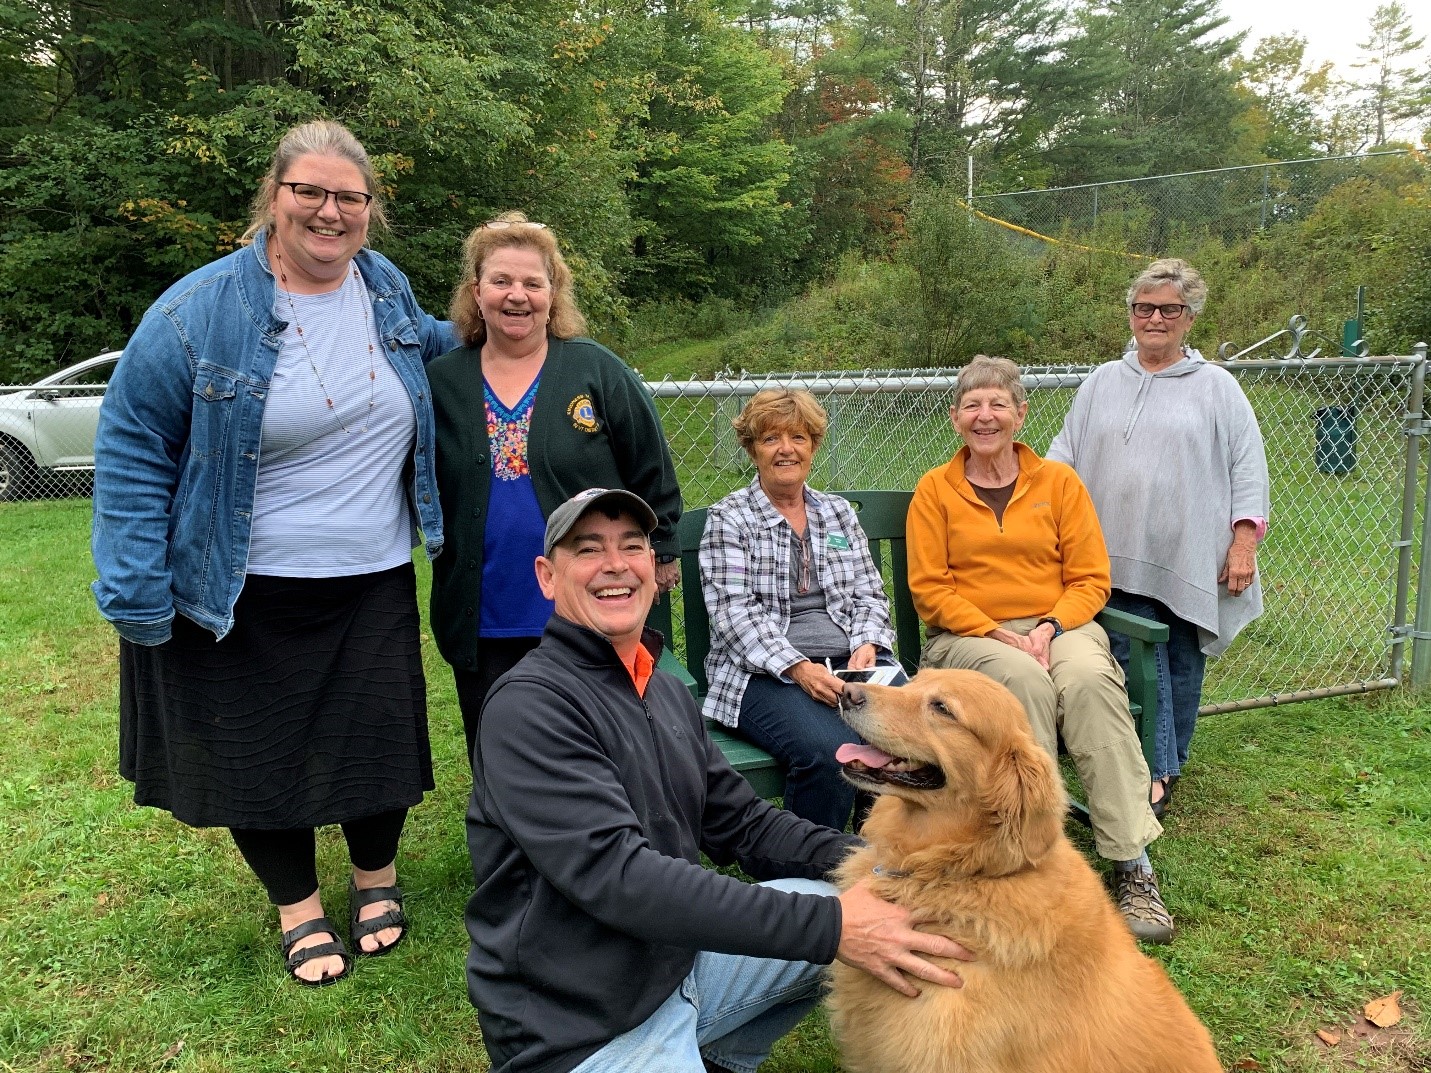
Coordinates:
1171 459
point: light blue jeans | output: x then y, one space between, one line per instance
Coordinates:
730 1009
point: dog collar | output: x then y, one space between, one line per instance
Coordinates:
892 873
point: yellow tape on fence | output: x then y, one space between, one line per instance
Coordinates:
1048 238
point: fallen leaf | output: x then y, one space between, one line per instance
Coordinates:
1384 1012
1331 1039
1247 1063
102 898
173 1051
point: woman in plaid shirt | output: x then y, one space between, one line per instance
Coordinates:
792 594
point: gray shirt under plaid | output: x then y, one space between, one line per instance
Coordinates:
745 578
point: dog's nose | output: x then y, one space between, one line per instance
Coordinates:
853 696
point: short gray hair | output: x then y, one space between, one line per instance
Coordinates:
1177 272
986 372
322 137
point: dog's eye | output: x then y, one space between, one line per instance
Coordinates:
941 708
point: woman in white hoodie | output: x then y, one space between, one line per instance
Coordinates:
1169 448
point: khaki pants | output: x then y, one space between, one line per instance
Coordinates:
1080 698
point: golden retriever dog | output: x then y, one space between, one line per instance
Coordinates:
968 832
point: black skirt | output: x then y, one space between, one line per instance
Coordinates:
313 710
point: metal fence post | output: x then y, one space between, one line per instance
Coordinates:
1412 421
1421 628
832 441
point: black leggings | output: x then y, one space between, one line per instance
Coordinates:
495 657
285 861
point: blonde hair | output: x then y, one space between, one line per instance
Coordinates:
1175 271
565 319
781 409
986 372
322 137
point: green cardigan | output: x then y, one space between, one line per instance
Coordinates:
593 426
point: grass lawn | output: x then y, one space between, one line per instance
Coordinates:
1297 861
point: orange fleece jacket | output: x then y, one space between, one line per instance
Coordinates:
968 573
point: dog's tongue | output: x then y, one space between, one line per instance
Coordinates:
867 755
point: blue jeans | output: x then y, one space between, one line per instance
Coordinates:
802 734
1180 671
730 1009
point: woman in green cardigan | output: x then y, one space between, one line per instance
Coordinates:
528 414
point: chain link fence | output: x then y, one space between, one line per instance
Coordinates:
1336 566
1341 436
1147 215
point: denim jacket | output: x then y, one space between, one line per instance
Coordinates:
176 453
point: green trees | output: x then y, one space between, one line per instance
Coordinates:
1165 101
986 77
709 169
135 130
735 149
1288 101
1396 88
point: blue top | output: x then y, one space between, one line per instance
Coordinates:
176 453
512 602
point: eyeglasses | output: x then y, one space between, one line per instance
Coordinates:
1170 311
502 225
309 196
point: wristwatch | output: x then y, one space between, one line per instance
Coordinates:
1057 626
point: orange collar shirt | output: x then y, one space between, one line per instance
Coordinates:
968 572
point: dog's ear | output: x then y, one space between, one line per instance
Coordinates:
1024 799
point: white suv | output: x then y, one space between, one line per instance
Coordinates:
47 429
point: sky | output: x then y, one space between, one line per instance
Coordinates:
1332 28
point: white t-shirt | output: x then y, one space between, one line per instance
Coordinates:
330 500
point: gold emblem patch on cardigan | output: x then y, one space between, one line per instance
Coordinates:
582 414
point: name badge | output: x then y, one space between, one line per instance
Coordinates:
838 542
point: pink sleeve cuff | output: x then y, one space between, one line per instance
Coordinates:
1260 523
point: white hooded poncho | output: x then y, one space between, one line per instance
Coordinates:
1171 459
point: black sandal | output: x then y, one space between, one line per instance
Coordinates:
292 959
359 930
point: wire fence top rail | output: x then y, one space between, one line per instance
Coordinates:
1314 160
744 384
1154 214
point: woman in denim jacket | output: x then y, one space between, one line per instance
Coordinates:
262 468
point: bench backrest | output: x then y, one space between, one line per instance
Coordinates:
881 514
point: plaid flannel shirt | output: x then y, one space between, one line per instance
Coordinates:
745 578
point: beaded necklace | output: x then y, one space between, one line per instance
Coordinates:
372 350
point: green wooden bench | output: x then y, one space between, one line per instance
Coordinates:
881 515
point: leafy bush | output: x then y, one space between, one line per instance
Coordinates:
861 319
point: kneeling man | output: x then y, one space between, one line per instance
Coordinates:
599 943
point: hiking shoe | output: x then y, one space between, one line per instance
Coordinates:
1142 906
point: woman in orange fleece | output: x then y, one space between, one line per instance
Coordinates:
1007 566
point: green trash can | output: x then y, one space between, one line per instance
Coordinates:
1336 440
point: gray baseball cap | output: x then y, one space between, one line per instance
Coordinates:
565 517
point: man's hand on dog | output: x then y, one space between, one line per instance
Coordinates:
879 937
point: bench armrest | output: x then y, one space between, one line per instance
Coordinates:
1130 625
1142 680
672 665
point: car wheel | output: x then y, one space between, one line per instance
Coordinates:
18 477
